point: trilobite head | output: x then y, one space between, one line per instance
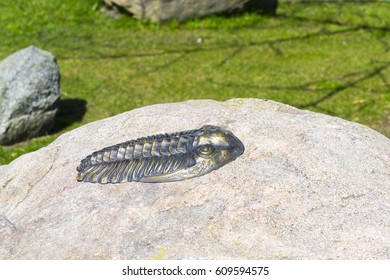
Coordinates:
162 158
215 148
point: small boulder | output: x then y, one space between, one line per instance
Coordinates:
29 94
164 10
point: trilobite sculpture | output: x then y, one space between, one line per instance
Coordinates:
163 157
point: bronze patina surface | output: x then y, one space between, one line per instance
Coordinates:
163 157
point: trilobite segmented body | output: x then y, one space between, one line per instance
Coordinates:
163 157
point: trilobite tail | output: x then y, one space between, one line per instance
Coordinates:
79 177
134 170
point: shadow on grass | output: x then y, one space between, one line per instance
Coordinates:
267 5
345 82
349 80
70 111
326 28
264 7
361 77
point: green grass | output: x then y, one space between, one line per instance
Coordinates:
329 58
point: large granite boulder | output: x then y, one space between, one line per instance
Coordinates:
308 186
164 10
29 94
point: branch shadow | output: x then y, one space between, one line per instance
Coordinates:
347 81
375 72
70 111
160 67
96 55
345 27
333 22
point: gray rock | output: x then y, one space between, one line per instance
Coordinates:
29 94
308 186
164 10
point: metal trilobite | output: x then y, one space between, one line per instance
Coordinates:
163 157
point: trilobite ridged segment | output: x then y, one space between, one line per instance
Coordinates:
136 159
134 170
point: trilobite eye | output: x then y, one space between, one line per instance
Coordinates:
206 151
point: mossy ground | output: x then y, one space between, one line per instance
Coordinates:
331 58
